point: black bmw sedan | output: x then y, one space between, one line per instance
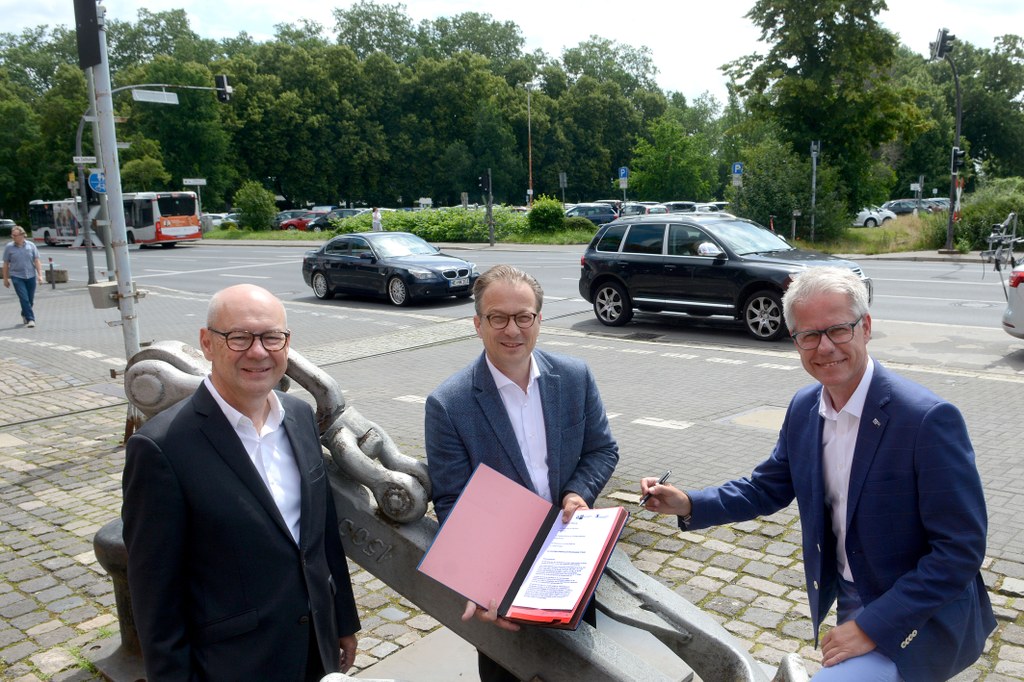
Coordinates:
397 265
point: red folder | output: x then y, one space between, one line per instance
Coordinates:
498 531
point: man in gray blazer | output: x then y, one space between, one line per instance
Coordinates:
535 417
235 564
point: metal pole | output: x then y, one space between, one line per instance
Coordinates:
954 171
490 213
126 295
529 143
814 182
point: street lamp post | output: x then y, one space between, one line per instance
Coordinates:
529 144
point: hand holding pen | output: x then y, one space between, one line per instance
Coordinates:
667 499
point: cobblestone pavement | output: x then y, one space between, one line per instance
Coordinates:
62 421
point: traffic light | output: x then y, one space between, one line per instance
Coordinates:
943 44
957 159
484 183
223 89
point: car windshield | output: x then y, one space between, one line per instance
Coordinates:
396 245
746 238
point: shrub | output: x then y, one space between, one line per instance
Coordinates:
546 215
256 205
578 223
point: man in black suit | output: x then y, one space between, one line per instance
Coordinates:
235 564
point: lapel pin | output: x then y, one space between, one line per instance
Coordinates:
876 422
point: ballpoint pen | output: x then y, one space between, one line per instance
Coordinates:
661 480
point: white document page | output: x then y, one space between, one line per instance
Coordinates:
566 561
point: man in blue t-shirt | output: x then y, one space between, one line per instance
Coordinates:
22 266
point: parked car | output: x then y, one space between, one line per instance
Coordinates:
1013 317
597 213
636 208
701 264
300 222
872 216
396 265
6 225
905 206
326 221
288 215
680 206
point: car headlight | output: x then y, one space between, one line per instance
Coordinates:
473 270
422 273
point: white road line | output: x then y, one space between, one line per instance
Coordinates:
662 423
411 399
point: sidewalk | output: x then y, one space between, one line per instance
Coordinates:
61 423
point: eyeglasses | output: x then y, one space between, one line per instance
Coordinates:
242 340
837 334
500 320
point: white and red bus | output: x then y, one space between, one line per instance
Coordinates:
55 223
163 218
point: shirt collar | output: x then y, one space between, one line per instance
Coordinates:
235 417
501 381
855 405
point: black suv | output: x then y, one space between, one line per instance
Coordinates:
696 263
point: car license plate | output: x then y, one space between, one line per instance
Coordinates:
460 282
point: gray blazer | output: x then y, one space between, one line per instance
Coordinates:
466 424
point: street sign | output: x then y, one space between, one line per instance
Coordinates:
194 181
83 160
157 96
98 182
623 173
915 187
563 180
737 168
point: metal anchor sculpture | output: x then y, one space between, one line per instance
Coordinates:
381 496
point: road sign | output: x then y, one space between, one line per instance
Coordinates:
157 96
98 182
194 181
737 168
623 173
83 160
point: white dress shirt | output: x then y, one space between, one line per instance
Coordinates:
526 412
839 439
271 454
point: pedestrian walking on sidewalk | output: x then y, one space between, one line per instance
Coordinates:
23 267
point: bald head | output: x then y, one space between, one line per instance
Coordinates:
243 296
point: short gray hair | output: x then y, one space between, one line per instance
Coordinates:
509 274
826 280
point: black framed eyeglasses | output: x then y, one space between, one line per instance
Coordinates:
500 320
837 334
241 340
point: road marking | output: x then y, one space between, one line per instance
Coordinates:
662 423
411 399
245 276
727 361
771 365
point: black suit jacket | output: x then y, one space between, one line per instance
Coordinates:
219 588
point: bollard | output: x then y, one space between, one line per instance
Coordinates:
110 551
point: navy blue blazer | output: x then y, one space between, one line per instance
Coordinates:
466 424
219 588
916 523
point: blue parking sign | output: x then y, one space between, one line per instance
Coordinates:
623 173
737 168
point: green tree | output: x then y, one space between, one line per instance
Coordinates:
145 174
256 205
672 165
500 42
826 77
369 27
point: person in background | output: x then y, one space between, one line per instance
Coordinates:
377 227
533 416
23 267
235 564
891 505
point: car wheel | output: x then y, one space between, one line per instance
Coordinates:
321 289
762 314
612 305
870 222
398 293
316 229
48 239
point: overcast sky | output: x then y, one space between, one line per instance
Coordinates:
689 41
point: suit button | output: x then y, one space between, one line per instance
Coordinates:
815 584
303 620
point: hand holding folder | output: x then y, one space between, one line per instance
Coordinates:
503 543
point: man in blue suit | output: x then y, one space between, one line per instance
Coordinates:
891 505
533 416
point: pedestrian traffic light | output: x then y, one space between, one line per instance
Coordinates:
485 185
943 44
223 89
957 159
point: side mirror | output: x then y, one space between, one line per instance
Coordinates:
709 249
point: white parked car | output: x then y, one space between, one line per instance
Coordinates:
872 216
1013 318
